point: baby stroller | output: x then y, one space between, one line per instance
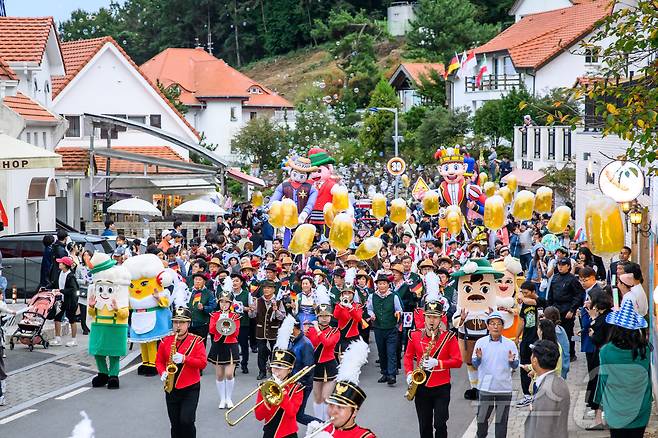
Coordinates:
42 305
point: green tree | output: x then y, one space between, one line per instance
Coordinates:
172 93
513 108
432 89
443 27
377 131
562 181
438 127
262 142
486 121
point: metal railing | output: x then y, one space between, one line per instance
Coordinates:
493 82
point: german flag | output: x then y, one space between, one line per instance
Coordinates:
416 288
453 66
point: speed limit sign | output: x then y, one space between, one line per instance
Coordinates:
396 166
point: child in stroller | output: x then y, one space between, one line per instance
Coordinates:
43 304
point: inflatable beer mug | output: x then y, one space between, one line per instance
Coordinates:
494 212
379 206
604 226
302 240
431 203
524 204
275 214
544 200
398 211
559 220
290 215
342 232
369 248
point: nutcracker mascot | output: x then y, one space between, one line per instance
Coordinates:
476 298
508 292
346 399
149 301
298 188
108 302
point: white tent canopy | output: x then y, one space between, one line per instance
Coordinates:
134 206
16 154
199 206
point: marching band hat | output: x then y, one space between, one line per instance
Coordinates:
182 314
433 308
225 296
347 392
323 310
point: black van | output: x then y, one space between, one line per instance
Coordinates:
22 254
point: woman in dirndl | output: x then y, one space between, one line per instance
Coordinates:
304 304
224 352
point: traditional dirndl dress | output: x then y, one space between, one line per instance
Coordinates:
306 311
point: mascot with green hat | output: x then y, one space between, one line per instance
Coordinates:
324 179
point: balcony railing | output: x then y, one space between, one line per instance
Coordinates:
542 144
492 83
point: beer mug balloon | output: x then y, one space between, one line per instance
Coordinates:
369 248
328 213
257 199
506 194
454 219
340 198
524 204
559 220
494 212
405 180
489 188
275 214
431 203
512 182
544 200
302 240
398 211
604 226
379 206
483 178
342 232
290 216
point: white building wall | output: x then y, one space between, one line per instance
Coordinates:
400 17
218 126
25 215
534 6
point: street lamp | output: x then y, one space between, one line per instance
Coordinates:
626 207
396 137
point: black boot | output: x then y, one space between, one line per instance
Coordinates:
245 370
148 371
261 376
113 382
99 381
471 394
141 370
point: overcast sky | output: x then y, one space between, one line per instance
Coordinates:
60 9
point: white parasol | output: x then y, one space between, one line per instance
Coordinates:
134 206
199 206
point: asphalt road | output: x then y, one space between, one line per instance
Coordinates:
138 409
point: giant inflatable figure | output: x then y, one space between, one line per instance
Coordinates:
298 188
108 301
476 298
149 301
324 179
508 293
455 189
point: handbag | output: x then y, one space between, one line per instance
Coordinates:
543 285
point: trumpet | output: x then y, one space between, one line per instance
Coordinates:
271 392
225 326
321 428
344 301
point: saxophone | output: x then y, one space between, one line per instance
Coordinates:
172 369
418 375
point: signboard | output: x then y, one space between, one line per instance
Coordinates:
420 188
396 166
622 181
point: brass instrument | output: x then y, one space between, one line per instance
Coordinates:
225 326
321 428
172 369
418 375
272 393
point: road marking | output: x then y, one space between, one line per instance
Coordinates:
72 393
17 416
130 370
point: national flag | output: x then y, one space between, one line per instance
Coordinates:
417 287
197 298
469 64
454 65
462 62
481 72
3 12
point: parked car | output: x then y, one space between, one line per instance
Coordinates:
22 254
112 240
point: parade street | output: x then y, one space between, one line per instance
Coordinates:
386 412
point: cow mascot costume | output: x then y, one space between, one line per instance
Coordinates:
476 298
149 301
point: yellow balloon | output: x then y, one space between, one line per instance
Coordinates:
341 233
398 211
276 214
512 182
257 199
302 240
443 224
369 248
483 178
329 214
290 215
604 227
405 180
489 188
340 198
524 203
494 212
431 203
544 200
454 220
379 206
559 220
506 194
379 232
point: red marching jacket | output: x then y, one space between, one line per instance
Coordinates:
348 319
446 350
353 432
195 359
281 420
324 343
216 336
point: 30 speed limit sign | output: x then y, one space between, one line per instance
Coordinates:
396 166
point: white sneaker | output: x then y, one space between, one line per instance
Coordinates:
229 404
590 413
56 342
525 401
3 402
222 404
72 343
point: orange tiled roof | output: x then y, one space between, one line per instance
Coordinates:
78 53
76 159
24 39
418 69
6 73
29 109
538 38
201 76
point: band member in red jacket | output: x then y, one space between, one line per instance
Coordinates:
190 359
435 350
349 316
280 421
224 352
347 398
324 339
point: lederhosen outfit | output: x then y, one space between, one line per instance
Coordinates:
224 349
201 318
267 327
348 321
324 343
182 401
407 300
433 397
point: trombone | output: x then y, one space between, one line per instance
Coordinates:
272 393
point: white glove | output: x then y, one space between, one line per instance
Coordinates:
277 380
302 217
324 434
348 305
312 427
430 363
164 375
178 358
409 378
